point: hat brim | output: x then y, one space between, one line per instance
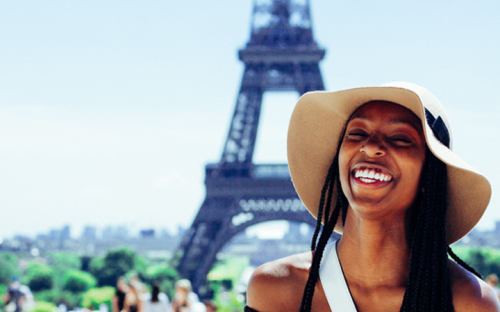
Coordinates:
315 130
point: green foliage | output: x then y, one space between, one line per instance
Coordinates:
78 281
484 260
61 262
3 288
70 299
163 275
40 277
482 263
8 267
94 297
229 302
43 306
115 264
230 269
141 264
85 263
64 261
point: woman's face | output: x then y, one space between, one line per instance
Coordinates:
381 159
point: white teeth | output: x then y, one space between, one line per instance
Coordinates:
370 176
367 180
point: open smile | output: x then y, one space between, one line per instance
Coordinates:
371 175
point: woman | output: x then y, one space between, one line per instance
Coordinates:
120 293
133 302
157 301
374 164
185 299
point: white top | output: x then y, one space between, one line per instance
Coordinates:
333 281
162 305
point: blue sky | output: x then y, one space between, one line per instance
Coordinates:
109 111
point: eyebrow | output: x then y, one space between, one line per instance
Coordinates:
392 121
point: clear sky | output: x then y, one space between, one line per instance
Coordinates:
109 110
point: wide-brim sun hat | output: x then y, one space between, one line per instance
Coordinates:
318 122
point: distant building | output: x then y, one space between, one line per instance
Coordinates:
54 234
121 232
89 233
107 232
65 233
181 231
165 234
118 232
149 233
497 227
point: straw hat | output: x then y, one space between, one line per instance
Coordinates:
315 130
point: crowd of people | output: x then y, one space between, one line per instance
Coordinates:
130 296
133 296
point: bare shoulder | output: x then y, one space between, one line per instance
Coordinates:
470 293
278 285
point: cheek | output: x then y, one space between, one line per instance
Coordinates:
414 175
344 170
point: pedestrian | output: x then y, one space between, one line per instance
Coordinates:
14 298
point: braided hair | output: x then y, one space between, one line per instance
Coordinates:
429 285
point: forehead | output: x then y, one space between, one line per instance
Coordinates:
387 112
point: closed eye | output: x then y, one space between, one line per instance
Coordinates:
357 135
401 140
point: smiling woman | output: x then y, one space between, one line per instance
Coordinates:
375 164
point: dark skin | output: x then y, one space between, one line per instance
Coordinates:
385 139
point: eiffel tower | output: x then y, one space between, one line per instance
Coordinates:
280 56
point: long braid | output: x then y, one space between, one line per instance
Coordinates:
429 283
318 254
329 177
429 286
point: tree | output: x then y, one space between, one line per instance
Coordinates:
116 263
40 277
85 263
161 274
8 267
78 281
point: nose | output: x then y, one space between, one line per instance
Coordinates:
373 148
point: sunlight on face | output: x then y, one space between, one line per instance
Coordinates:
381 159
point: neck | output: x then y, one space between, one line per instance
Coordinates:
375 253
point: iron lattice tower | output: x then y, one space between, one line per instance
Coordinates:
281 55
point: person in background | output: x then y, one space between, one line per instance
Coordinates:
29 299
492 280
185 299
120 293
14 298
156 301
141 288
133 302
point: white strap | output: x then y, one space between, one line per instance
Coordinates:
333 281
